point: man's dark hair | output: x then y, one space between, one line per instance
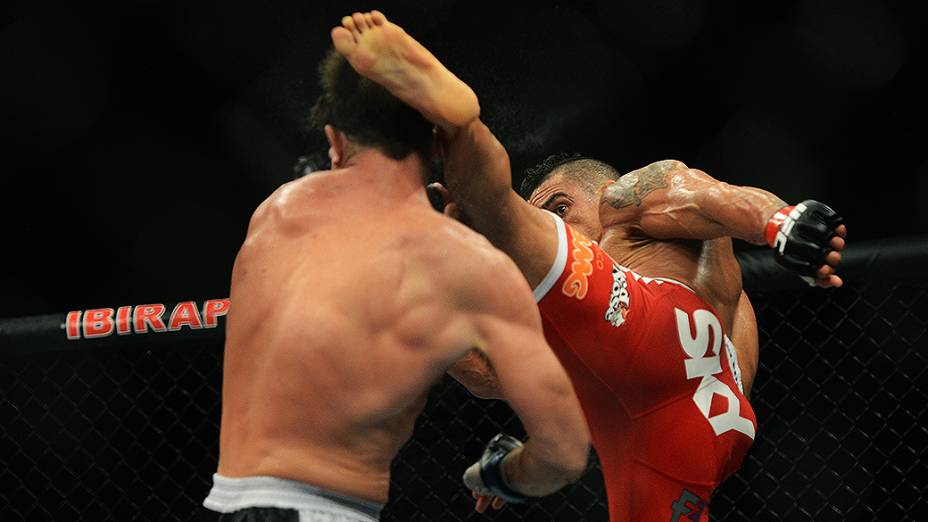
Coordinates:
367 113
588 171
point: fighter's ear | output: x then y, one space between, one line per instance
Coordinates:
337 145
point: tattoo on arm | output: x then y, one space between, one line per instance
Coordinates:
633 187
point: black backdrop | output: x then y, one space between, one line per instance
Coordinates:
138 136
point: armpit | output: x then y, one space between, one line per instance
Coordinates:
475 372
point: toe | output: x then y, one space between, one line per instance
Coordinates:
348 23
369 20
343 41
378 18
359 21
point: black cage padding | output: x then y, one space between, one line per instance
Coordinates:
896 259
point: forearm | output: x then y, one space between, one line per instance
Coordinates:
557 448
530 475
540 393
741 212
671 201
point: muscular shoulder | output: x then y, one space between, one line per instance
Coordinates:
623 202
631 189
479 276
278 202
298 206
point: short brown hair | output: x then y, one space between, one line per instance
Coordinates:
367 113
588 171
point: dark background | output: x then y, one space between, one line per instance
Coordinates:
138 136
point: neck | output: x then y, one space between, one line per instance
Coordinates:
389 178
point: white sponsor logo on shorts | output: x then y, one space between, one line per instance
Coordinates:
702 346
619 302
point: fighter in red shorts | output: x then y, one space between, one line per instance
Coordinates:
644 342
656 346
657 376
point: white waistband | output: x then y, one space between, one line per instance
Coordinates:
232 494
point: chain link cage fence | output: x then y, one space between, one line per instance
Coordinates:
125 427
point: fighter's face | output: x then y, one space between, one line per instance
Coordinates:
566 197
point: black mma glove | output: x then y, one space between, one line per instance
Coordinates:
485 477
801 237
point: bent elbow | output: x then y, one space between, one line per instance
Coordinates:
577 467
572 466
574 458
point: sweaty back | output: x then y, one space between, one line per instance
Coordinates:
341 324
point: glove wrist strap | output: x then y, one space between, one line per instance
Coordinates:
774 224
491 473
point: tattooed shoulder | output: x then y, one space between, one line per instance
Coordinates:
633 187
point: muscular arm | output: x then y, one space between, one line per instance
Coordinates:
670 201
530 378
538 390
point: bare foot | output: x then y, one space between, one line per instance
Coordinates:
383 52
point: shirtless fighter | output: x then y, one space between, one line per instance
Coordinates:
644 342
352 297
